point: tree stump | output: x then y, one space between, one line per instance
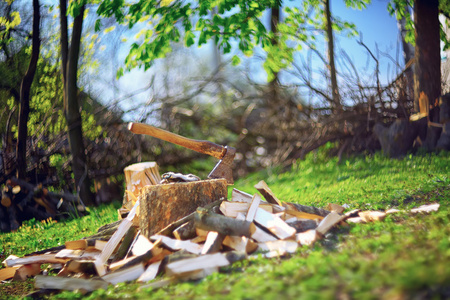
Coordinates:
163 204
139 175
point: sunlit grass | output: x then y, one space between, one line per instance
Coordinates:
405 256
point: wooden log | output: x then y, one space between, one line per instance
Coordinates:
178 245
168 230
264 189
225 225
139 175
166 203
126 243
303 225
336 208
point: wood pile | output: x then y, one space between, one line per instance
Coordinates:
210 238
23 201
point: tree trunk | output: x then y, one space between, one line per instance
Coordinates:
427 80
407 91
25 88
337 107
73 116
273 84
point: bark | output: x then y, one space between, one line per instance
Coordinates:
427 85
331 65
25 88
73 116
273 84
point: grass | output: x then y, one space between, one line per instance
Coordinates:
404 257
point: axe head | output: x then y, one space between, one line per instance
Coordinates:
223 168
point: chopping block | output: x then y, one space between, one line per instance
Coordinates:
163 204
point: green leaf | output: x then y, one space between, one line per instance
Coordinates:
235 60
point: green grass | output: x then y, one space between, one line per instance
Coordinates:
405 256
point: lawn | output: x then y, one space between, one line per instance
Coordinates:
405 256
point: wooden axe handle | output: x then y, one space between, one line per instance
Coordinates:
204 147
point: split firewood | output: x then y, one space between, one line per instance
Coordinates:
302 225
371 216
213 242
150 273
166 203
240 196
251 212
307 209
177 244
76 266
307 238
355 220
124 274
328 222
141 245
274 224
77 254
352 213
264 189
185 231
336 208
261 236
8 273
25 271
426 208
225 225
144 258
125 244
204 262
69 283
232 209
139 175
392 211
114 241
303 215
35 259
240 243
281 246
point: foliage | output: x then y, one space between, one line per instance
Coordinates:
237 22
404 256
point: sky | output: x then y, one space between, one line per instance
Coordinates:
377 27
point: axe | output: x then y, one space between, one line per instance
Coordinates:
225 154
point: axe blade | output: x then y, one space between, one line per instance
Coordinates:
223 169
